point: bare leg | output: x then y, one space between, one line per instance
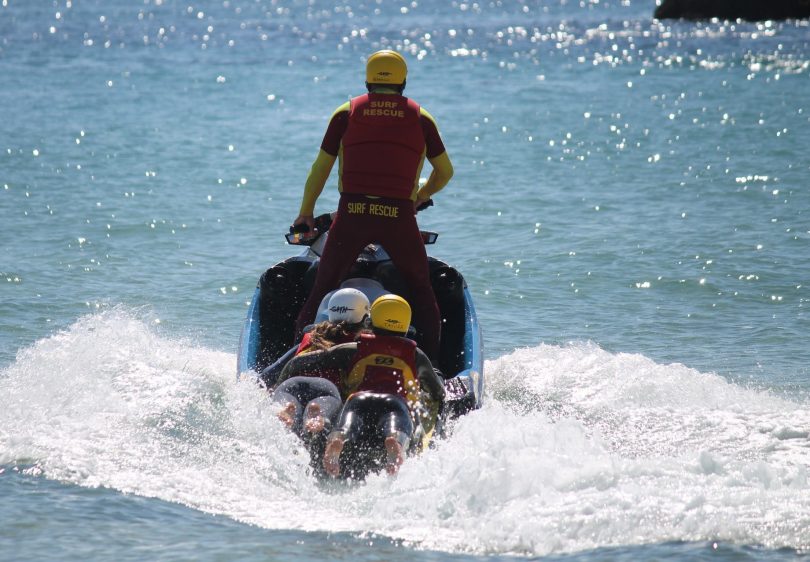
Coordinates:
394 452
287 415
293 394
313 419
331 456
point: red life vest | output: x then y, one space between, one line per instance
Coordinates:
385 364
332 374
383 146
304 345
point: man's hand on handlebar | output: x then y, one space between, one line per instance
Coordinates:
303 221
420 204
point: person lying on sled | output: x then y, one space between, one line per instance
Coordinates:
309 397
393 393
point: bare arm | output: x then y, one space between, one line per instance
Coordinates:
439 177
438 158
316 180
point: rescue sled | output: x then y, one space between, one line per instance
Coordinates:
268 332
267 340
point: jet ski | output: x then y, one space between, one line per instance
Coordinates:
267 339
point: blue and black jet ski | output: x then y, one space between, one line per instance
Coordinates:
268 341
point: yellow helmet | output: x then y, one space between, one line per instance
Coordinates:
386 67
391 312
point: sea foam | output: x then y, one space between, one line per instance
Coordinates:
575 448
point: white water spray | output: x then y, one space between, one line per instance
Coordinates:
576 448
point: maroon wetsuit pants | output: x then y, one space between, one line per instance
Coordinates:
391 223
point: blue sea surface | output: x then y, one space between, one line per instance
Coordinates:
630 210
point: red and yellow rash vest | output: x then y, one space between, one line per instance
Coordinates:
383 146
385 364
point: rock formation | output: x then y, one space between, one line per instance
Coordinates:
751 10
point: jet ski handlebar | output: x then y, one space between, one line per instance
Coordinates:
425 205
322 224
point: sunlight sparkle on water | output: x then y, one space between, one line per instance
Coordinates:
702 155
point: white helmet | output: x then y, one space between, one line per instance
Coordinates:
348 305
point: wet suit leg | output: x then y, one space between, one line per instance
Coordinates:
408 254
400 237
329 408
366 423
301 391
344 244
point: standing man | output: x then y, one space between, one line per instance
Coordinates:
381 139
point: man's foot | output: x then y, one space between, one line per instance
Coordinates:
287 415
331 455
394 454
313 420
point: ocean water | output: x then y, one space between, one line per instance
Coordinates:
631 210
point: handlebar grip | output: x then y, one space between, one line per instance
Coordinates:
425 205
323 222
